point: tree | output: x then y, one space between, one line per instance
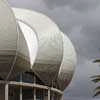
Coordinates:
96 79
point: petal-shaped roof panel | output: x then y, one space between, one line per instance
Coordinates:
50 43
8 37
68 63
27 42
27 47
15 49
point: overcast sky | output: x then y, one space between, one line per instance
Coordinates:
80 20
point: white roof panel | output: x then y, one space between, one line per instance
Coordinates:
68 63
50 43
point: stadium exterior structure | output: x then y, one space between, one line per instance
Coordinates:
37 60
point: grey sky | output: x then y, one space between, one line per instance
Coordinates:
80 20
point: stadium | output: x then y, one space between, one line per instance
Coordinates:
37 60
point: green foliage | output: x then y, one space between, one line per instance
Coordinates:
97 61
97 93
96 79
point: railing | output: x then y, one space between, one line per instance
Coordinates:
32 85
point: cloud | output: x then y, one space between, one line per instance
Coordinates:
28 4
80 5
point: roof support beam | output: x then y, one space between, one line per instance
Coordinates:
34 88
6 92
48 94
21 91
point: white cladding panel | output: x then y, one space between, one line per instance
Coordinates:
15 49
8 37
47 31
27 43
8 29
68 63
50 43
